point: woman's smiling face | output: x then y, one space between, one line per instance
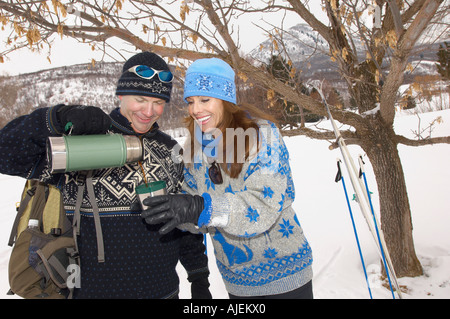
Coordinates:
206 111
141 111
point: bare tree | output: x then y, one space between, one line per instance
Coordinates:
192 29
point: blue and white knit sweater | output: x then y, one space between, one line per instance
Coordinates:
259 244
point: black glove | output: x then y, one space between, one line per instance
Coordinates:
83 119
172 210
200 288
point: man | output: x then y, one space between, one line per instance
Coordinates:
138 261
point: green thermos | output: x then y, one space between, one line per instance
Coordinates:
87 152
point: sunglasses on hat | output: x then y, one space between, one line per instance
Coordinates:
147 73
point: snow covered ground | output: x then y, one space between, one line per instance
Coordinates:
322 210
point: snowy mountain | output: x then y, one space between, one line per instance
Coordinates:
309 53
305 48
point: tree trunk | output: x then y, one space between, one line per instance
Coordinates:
395 213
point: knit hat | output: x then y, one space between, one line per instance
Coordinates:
210 77
131 84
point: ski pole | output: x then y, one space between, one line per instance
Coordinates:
363 174
338 178
358 186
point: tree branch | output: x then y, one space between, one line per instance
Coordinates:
428 141
396 17
221 28
400 59
326 135
306 15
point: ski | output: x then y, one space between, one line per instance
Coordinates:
362 196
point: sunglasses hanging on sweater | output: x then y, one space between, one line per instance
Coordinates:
215 174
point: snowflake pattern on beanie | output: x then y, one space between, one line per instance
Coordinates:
210 77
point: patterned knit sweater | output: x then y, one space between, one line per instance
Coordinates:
259 244
139 263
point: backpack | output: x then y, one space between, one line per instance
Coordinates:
41 256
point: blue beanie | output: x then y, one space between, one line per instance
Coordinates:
210 77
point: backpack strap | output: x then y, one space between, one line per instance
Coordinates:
57 267
23 205
39 201
85 179
76 224
96 213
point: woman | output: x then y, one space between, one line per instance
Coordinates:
240 190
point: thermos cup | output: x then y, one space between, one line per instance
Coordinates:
87 152
151 189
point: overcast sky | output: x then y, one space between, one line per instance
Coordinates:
69 52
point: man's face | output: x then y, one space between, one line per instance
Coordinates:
141 111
